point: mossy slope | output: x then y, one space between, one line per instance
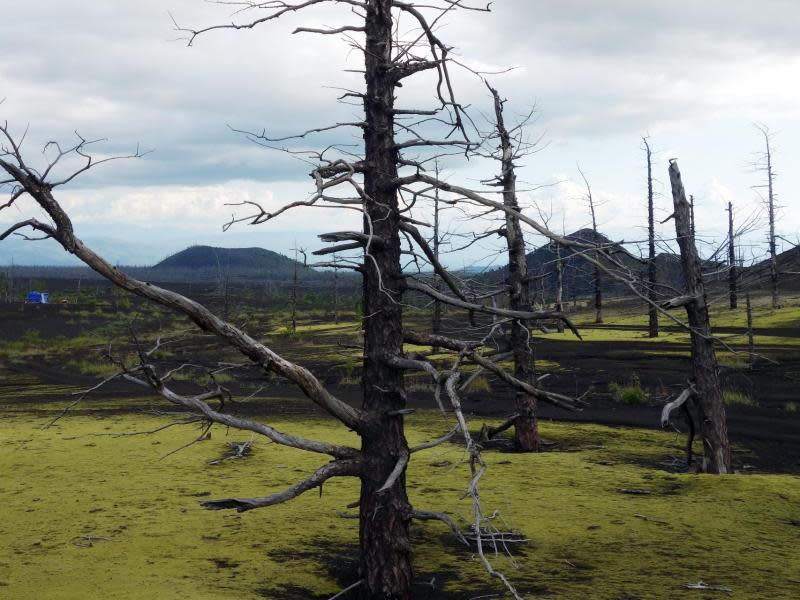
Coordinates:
88 516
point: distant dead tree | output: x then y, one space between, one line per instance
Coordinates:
652 273
598 284
335 289
559 262
705 390
295 282
764 164
732 267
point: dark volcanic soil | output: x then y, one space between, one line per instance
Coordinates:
769 431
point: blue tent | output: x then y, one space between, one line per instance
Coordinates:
38 297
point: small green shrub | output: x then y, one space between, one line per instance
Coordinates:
630 393
737 398
791 407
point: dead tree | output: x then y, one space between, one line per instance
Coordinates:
652 274
436 324
598 284
372 185
526 431
559 283
295 280
713 427
751 345
764 164
732 270
335 289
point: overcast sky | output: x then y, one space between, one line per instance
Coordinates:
694 75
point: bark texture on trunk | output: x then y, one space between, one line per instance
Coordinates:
652 275
385 557
713 423
526 430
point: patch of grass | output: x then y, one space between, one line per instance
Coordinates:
629 393
479 384
738 398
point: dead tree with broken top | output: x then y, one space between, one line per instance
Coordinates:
706 390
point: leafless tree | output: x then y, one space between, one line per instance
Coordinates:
732 267
373 186
652 274
526 431
598 284
335 289
764 164
559 282
295 280
705 388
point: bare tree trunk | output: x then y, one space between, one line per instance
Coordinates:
598 289
773 254
526 431
713 425
385 559
751 346
335 291
652 275
436 326
294 295
732 274
691 218
559 286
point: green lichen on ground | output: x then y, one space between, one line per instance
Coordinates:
97 516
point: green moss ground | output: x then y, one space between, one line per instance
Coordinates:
96 516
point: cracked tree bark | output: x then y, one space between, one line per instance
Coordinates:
385 558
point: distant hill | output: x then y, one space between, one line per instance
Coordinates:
578 273
205 261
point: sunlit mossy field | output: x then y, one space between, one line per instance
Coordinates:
96 505
91 511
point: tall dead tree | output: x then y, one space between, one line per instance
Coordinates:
526 431
335 289
732 268
436 325
713 427
559 304
372 186
764 164
598 284
652 274
751 345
